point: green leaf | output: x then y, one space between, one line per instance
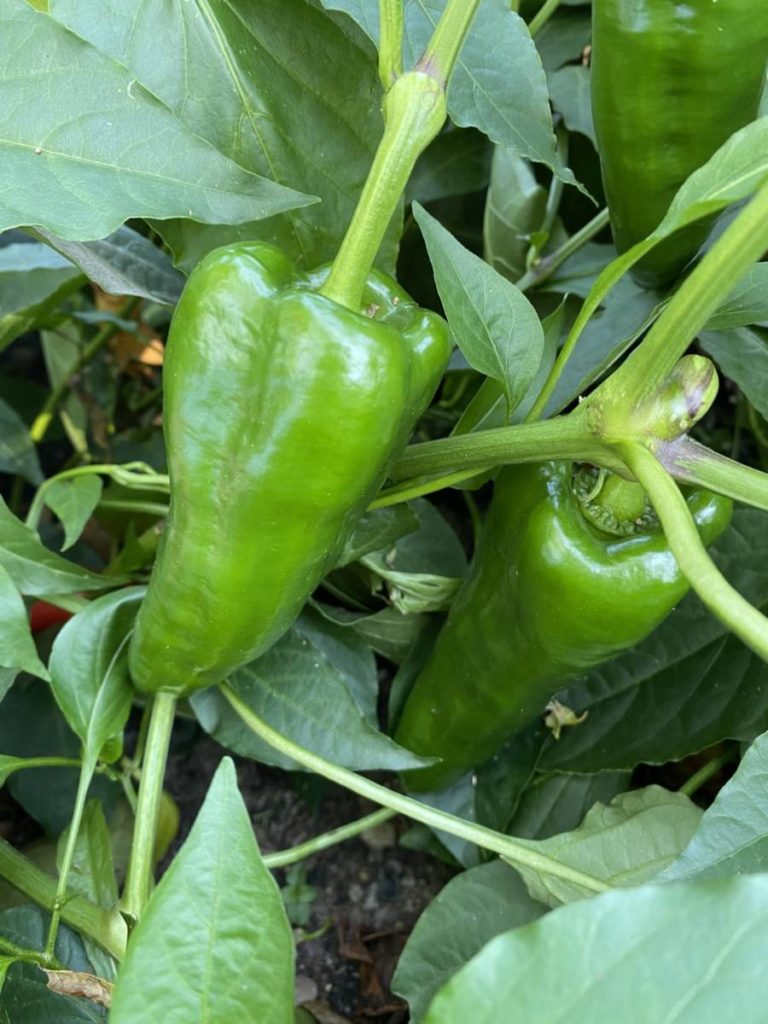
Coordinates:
692 954
92 873
569 88
495 325
36 571
563 38
376 530
124 263
102 148
89 668
5 963
17 452
73 501
689 685
29 274
742 354
557 802
31 725
62 349
472 909
625 843
17 648
514 210
241 75
7 679
747 304
297 689
498 83
457 162
26 998
215 925
388 632
424 568
732 838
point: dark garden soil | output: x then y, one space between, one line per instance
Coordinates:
368 891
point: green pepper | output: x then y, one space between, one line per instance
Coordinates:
282 411
671 81
559 584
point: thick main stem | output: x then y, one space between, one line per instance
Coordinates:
512 850
141 868
563 437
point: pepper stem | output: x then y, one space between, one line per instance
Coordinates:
414 112
140 869
625 498
686 545
513 850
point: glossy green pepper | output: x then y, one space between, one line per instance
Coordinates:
282 412
550 595
671 81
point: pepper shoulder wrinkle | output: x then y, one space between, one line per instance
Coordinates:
282 412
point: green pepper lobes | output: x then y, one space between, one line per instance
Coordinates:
282 412
671 81
549 596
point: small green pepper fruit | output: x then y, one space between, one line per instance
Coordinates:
282 412
549 596
671 82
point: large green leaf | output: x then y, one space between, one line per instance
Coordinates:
625 843
472 909
85 145
690 684
495 325
732 838
301 687
214 943
89 668
689 953
277 86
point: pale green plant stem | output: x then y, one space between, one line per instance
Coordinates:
686 545
513 851
328 839
87 769
539 20
138 885
391 24
691 463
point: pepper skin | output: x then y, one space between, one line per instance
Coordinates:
671 81
282 412
549 596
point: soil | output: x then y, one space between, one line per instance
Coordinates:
368 891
